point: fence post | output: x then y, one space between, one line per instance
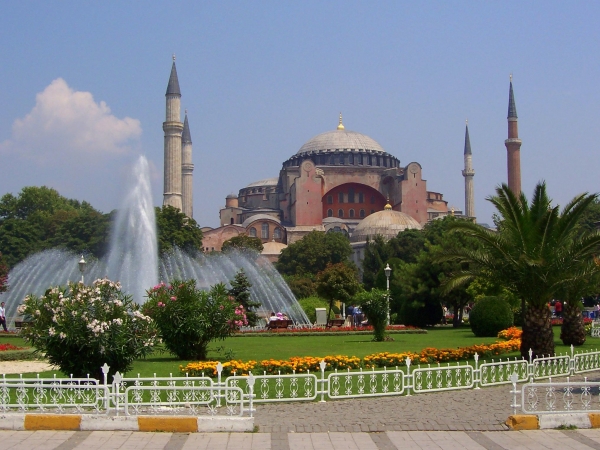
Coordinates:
477 372
530 368
251 381
322 365
408 376
219 384
105 368
514 378
572 361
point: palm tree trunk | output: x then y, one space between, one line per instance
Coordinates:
572 331
537 332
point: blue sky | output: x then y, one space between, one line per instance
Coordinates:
84 86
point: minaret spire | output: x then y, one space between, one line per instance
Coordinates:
513 145
468 173
340 124
173 128
187 169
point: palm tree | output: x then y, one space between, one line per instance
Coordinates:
537 253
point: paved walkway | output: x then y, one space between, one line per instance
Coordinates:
391 440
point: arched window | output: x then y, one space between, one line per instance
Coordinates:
351 213
330 199
277 233
341 197
351 195
351 159
330 213
265 230
361 197
361 213
372 199
252 232
340 213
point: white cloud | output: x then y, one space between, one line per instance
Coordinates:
65 123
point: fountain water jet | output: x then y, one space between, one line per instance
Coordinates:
132 259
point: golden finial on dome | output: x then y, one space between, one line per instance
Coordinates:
387 206
340 125
173 57
452 210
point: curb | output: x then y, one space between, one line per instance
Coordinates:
88 422
519 422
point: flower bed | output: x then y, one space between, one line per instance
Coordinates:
8 347
557 321
341 362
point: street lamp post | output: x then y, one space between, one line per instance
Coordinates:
388 272
82 265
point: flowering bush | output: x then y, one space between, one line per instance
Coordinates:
189 318
80 328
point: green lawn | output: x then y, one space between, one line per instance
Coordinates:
283 347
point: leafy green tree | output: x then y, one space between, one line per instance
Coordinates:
590 217
301 286
175 229
538 253
337 282
243 242
3 275
312 253
39 218
240 291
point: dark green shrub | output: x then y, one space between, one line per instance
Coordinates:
375 306
489 316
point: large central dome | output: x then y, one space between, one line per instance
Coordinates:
340 139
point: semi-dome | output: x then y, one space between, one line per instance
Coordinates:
387 223
340 139
265 182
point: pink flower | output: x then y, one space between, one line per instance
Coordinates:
173 299
221 307
161 304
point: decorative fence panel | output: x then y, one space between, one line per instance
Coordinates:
237 394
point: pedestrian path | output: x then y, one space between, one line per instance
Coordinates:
391 440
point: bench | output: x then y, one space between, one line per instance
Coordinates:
21 324
276 324
336 323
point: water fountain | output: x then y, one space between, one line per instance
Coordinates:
133 260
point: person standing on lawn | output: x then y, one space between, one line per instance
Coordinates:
3 316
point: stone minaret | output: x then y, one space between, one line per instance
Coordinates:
173 129
469 173
187 168
513 145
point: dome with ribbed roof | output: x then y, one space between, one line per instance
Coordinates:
387 223
272 248
340 139
265 182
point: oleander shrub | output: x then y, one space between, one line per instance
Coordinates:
375 306
79 328
489 316
189 318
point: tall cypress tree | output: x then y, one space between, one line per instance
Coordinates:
240 291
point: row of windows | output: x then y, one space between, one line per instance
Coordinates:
264 232
350 197
351 213
348 159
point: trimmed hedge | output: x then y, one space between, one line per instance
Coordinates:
490 316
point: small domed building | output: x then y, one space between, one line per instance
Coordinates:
338 181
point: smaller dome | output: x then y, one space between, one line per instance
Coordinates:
256 217
272 248
387 223
232 196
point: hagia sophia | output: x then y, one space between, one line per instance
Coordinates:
338 181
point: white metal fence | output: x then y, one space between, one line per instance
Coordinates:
237 394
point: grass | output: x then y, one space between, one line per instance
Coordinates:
259 348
